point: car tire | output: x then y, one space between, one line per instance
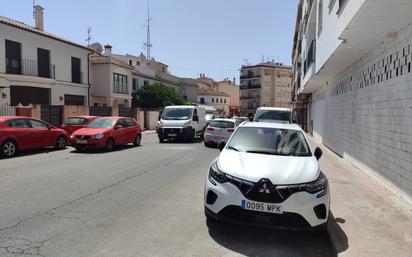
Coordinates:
80 149
8 148
161 140
206 144
137 141
61 142
110 145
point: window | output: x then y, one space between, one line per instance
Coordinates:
38 124
19 123
221 100
76 72
202 100
13 57
43 63
134 84
145 83
75 121
320 16
213 100
225 101
74 100
120 84
137 63
130 62
130 122
342 4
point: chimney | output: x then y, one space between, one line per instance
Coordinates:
234 81
38 17
108 50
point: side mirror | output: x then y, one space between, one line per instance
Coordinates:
196 118
158 117
250 118
318 153
221 145
118 127
49 127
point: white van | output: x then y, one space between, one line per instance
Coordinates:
181 121
273 114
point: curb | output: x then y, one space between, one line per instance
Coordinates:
149 132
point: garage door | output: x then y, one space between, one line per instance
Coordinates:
74 100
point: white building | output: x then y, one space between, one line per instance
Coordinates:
352 63
38 67
111 80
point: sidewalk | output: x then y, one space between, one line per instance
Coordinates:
148 132
368 220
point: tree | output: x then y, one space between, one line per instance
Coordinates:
158 95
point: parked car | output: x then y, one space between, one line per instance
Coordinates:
23 133
219 130
273 114
71 124
268 175
181 121
106 133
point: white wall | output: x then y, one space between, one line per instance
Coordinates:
60 56
369 121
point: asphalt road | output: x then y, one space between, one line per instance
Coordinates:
136 201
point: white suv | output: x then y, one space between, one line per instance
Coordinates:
267 175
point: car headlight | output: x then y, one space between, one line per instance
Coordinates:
72 136
187 124
98 136
318 185
216 175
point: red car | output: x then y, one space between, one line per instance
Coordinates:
106 133
22 133
71 124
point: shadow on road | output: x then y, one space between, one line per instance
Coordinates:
23 153
196 140
102 151
256 241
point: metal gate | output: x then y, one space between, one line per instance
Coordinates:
52 114
100 111
127 112
7 110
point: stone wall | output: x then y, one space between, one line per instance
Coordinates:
365 113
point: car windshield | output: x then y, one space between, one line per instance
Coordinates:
177 114
102 123
272 115
75 121
269 141
222 124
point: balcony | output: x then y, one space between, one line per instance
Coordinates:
250 76
29 68
310 57
250 86
250 97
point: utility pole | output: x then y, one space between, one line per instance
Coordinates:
34 13
148 44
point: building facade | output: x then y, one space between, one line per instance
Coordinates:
210 94
353 76
265 84
230 88
111 81
38 67
147 72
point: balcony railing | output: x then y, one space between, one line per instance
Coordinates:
251 86
29 68
250 97
311 57
250 76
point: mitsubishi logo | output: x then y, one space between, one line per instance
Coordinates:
266 186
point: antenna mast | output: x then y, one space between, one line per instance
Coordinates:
89 36
34 12
148 44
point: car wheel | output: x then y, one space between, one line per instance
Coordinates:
9 148
61 142
206 144
79 149
137 141
110 145
161 139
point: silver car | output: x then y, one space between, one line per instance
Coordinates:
219 130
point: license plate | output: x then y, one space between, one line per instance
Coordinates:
81 142
261 207
172 135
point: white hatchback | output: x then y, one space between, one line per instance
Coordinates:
267 175
219 130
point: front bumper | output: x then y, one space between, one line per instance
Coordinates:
298 209
91 144
175 132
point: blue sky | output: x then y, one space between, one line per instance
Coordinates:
191 36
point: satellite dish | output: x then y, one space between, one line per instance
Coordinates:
97 47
